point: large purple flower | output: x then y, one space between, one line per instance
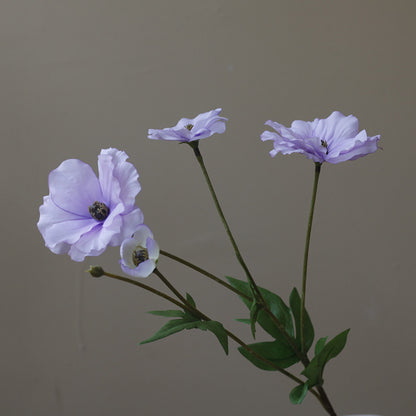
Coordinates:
84 214
190 129
334 139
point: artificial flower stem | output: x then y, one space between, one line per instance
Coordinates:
325 401
306 255
169 285
205 273
198 155
194 310
254 288
145 287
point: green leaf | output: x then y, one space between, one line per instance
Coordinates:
276 306
218 330
320 344
190 300
254 313
309 334
168 313
173 326
177 325
243 320
280 355
297 395
315 369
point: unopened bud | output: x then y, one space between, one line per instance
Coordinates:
96 271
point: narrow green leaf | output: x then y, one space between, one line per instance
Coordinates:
218 330
243 320
276 306
315 369
254 313
320 344
190 300
173 326
309 334
297 395
279 354
168 313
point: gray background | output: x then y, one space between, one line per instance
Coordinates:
77 76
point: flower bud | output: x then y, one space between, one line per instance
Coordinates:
96 271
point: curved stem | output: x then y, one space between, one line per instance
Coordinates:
306 255
205 273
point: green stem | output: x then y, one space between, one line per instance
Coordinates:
306 255
325 401
205 273
170 286
145 287
256 292
254 288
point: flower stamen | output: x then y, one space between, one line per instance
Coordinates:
324 143
189 126
140 255
99 211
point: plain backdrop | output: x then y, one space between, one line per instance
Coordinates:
81 75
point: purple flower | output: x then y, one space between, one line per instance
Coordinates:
334 139
188 130
139 254
84 214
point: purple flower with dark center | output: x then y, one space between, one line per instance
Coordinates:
190 129
139 254
334 139
84 214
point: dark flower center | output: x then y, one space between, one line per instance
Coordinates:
189 126
99 211
324 143
140 255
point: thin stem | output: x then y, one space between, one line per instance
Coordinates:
325 401
195 147
145 287
255 290
306 255
205 273
169 285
